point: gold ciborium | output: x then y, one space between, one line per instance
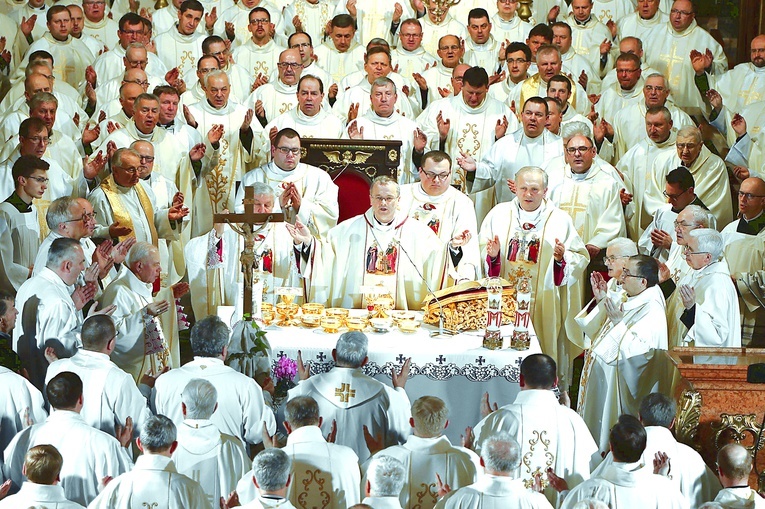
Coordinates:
286 312
441 7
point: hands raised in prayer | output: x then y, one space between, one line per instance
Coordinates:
190 118
231 501
625 197
215 133
466 162
83 294
299 233
290 197
715 99
197 152
374 443
354 131
701 61
592 250
419 140
599 286
50 355
486 406
399 379
124 434
108 310
492 247
269 441
303 372
5 488
661 465
613 310
738 123
558 483
660 238
559 250
443 488
501 128
177 211
466 440
149 378
443 125
332 435
605 47
688 295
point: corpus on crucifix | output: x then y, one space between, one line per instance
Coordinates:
249 224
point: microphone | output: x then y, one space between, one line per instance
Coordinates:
441 330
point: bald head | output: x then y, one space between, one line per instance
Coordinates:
36 83
734 463
631 45
757 51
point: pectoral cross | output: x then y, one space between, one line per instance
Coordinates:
345 393
248 225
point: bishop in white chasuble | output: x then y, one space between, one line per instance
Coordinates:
543 245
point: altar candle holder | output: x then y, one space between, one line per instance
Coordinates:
492 338
520 339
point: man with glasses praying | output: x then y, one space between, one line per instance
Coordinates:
269 100
449 213
708 170
302 192
126 207
623 342
672 49
383 246
302 42
657 239
711 311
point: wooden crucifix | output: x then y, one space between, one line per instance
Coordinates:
248 225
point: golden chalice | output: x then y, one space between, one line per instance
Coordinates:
287 312
312 308
355 324
331 324
267 313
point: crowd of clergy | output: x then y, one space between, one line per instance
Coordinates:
563 151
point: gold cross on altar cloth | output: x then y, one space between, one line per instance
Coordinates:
345 393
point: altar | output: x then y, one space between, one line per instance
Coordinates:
456 369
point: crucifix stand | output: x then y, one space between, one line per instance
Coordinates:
248 225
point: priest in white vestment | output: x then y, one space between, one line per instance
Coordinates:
625 92
508 25
437 77
734 466
571 451
241 410
217 460
382 122
154 481
237 145
271 476
684 467
257 53
497 487
438 22
341 54
42 488
271 99
584 188
623 339
655 92
449 213
530 237
89 454
549 64
637 167
181 46
689 219
634 45
709 173
375 19
659 236
409 55
640 23
146 342
316 463
98 25
560 87
110 396
379 247
668 49
429 457
312 18
71 56
303 192
628 482
708 295
51 314
482 49
358 403
532 145
517 62
24 220
591 38
468 124
578 66
310 118
110 64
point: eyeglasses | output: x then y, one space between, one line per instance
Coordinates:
39 139
385 199
626 71
411 36
612 258
675 196
130 170
143 83
84 218
41 180
148 159
678 224
132 32
651 88
689 146
688 252
447 48
512 61
435 176
219 53
626 273
260 21
288 150
290 65
749 196
682 13
574 150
